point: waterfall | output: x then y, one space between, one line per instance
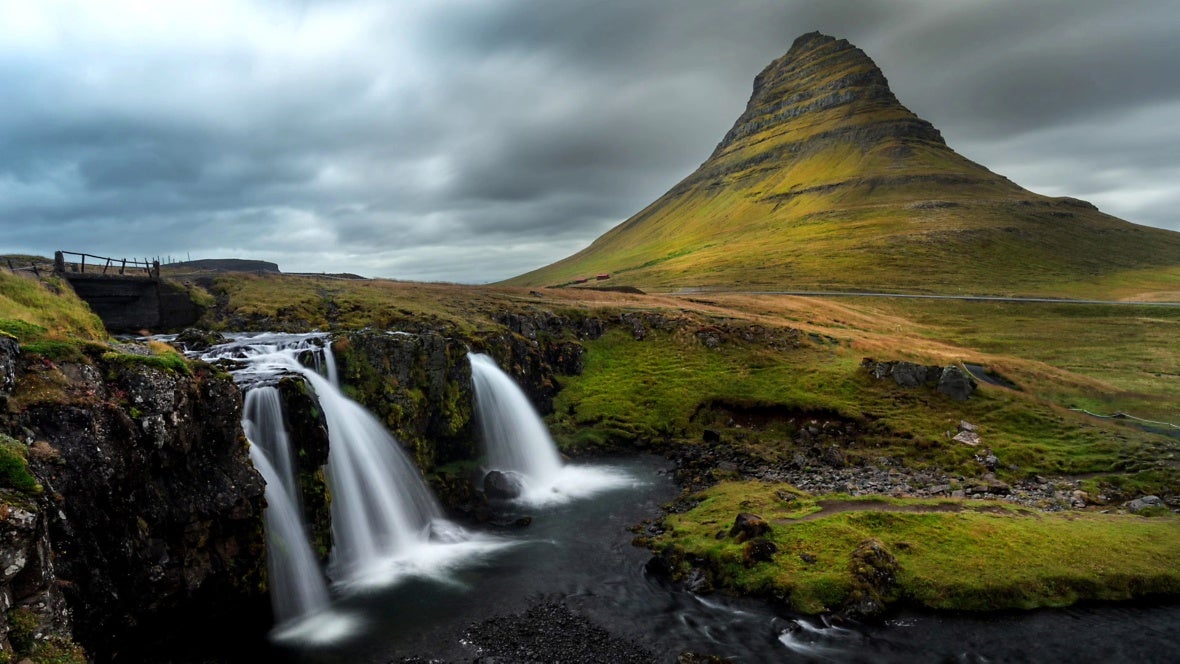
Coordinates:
517 441
330 361
297 586
386 524
262 420
381 506
514 435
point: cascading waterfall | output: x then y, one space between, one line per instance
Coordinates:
515 437
381 506
517 441
262 420
297 586
330 364
386 523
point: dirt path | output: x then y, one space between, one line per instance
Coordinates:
830 507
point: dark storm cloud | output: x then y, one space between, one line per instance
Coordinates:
467 140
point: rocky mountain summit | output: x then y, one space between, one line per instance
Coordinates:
827 182
824 90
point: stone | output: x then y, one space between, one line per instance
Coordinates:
874 573
908 374
1139 504
196 339
758 550
967 438
502 485
747 526
9 350
956 383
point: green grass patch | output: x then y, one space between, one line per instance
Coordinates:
167 360
32 309
14 467
671 386
982 556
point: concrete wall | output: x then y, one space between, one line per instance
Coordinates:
124 304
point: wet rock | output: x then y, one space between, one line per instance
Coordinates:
711 436
502 485
196 339
153 510
698 581
748 526
698 658
511 523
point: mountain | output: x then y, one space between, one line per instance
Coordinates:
827 181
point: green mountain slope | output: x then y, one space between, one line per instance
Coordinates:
826 181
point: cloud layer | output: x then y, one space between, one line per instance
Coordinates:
474 140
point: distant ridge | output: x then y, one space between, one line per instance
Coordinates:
226 265
827 182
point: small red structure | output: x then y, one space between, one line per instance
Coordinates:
603 276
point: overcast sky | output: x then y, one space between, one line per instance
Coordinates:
473 140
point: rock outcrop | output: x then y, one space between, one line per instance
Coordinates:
951 380
149 513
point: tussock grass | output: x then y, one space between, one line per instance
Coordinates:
34 310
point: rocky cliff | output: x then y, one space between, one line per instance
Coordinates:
146 512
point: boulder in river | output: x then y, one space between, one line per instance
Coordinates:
502 485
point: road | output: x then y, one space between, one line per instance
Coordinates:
968 298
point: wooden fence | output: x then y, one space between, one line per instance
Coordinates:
102 265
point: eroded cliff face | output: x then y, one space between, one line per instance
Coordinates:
149 513
419 384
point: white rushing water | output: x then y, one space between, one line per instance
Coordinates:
386 524
297 586
262 421
517 442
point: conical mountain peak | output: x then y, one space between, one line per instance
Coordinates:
824 89
827 182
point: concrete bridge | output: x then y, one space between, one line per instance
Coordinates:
128 295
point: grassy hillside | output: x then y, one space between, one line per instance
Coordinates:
33 310
826 182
